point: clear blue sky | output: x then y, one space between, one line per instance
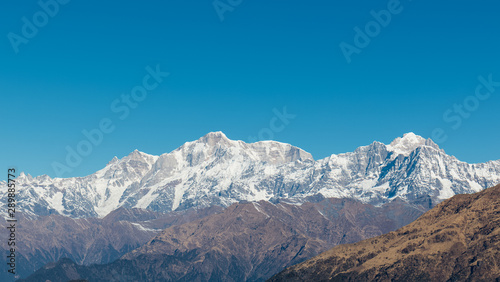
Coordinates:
229 75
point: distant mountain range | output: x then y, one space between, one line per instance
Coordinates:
458 240
245 242
88 240
214 170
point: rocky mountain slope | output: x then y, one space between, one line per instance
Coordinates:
215 170
88 240
246 242
458 240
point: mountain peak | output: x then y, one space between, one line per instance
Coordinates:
406 144
410 138
113 161
26 175
213 138
135 154
215 134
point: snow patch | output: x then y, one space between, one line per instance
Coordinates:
382 188
446 192
476 187
256 206
56 202
140 227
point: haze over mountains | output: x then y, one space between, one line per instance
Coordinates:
215 170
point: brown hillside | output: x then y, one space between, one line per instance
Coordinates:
458 240
246 242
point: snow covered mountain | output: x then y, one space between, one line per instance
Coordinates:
215 170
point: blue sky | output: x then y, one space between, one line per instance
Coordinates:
234 74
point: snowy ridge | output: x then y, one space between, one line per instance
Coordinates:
215 170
